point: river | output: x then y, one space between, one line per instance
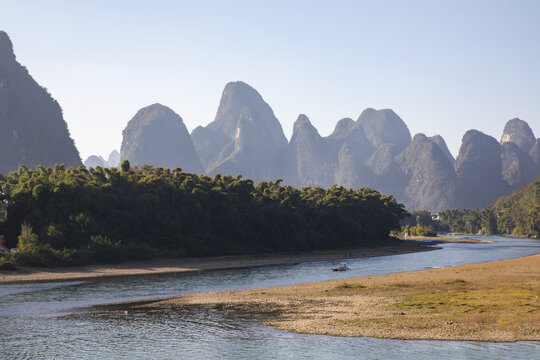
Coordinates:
51 320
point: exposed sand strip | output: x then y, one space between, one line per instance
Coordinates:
197 264
493 301
446 239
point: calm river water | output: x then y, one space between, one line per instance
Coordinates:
49 320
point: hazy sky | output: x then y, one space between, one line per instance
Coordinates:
443 66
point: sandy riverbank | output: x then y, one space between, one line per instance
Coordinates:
446 239
493 301
164 266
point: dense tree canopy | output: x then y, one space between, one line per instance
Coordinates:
519 212
470 221
89 215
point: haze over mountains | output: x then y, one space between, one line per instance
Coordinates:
376 151
246 138
95 160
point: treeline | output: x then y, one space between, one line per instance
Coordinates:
519 212
470 221
516 214
61 215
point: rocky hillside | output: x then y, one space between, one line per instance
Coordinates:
428 171
32 127
156 135
245 136
518 132
308 158
479 171
374 151
520 153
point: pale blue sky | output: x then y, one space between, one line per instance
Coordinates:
443 66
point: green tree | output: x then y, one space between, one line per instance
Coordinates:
125 166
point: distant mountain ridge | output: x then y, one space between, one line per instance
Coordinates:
245 137
375 151
95 160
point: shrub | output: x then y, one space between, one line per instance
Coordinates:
31 253
418 230
7 262
44 256
28 241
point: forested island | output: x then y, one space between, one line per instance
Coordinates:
74 216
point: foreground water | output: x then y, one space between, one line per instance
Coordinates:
50 320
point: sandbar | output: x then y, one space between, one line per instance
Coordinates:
179 265
492 301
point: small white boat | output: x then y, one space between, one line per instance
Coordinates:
342 267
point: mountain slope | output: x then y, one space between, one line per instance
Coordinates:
438 139
211 141
518 132
245 137
314 161
384 127
518 166
432 179
156 135
32 128
252 153
479 171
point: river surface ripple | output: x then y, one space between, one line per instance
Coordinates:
48 320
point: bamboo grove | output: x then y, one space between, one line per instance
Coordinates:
61 215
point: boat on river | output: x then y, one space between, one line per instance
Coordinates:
342 267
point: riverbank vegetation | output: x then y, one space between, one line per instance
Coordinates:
417 230
493 301
517 214
78 216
